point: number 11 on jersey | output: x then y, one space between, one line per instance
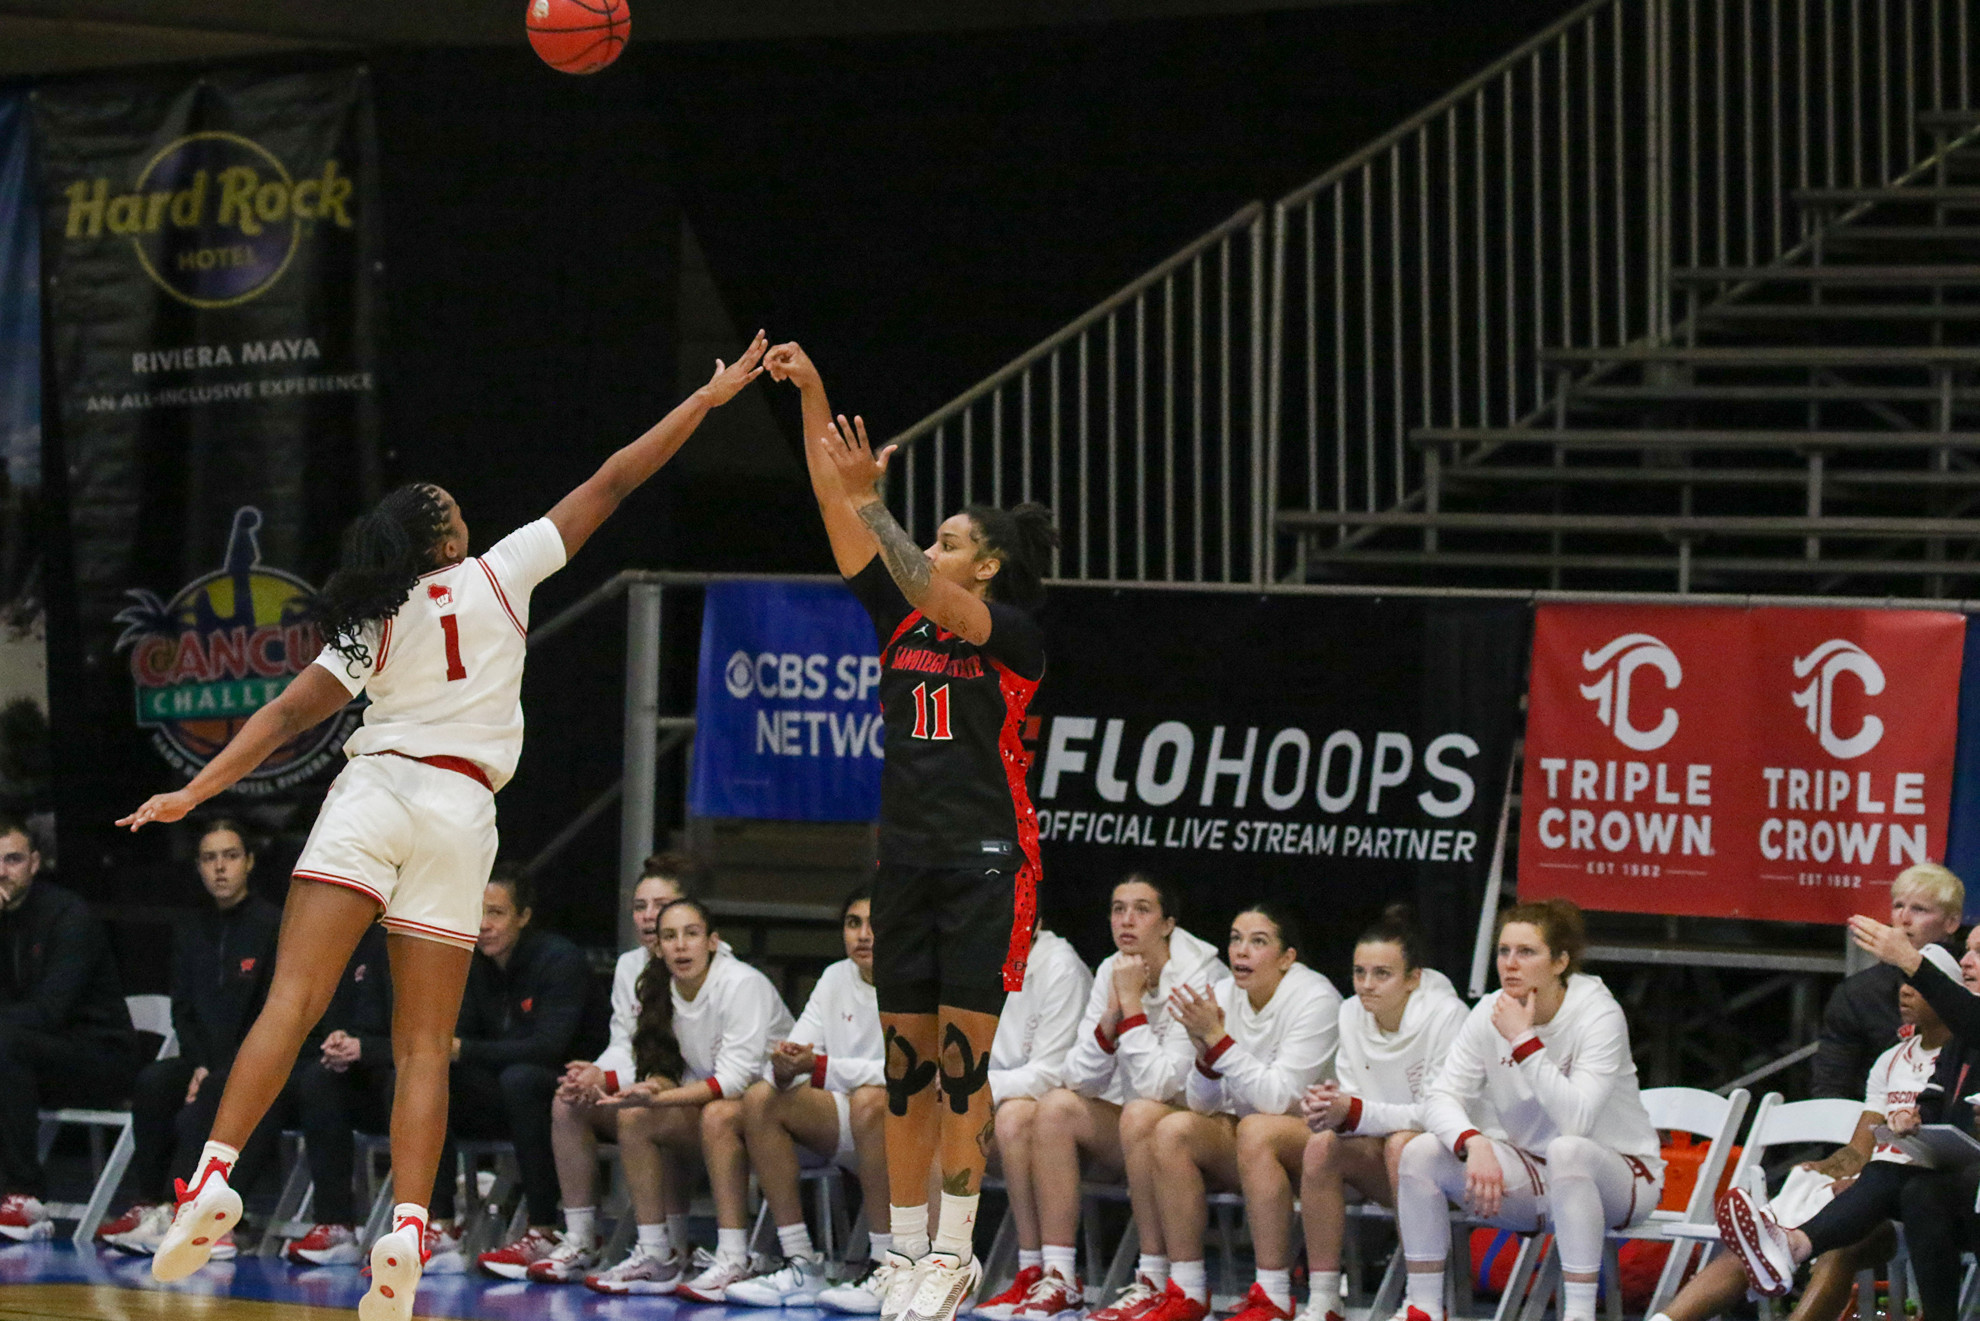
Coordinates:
927 703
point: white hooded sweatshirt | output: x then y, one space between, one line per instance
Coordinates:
726 1030
1268 1057
1143 1061
1386 1075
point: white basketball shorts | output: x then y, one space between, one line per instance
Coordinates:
846 1157
417 838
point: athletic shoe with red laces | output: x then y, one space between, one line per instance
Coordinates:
397 1259
207 1212
1748 1229
1055 1296
1258 1306
1176 1306
1006 1304
512 1261
326 1245
124 1223
24 1219
1134 1303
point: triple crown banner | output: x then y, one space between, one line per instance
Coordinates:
1723 762
209 252
787 721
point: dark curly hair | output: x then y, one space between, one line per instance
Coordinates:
384 552
656 1051
1024 539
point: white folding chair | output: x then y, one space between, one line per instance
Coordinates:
149 1013
1701 1114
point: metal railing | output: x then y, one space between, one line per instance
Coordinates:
1141 423
1545 202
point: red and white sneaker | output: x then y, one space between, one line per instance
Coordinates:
326 1245
1258 1306
124 1223
24 1219
512 1261
571 1260
397 1259
443 1251
1134 1303
1176 1306
1006 1304
207 1212
1410 1312
712 1285
1054 1296
1748 1229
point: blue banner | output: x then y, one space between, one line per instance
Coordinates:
20 301
1963 819
787 723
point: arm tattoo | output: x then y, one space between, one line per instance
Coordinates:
905 563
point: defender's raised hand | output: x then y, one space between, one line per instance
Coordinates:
729 380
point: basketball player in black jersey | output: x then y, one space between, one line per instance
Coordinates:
955 897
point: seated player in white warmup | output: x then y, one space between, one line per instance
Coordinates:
577 1121
1124 1074
1027 1060
436 639
706 1024
1257 1042
826 1093
1534 1119
1395 1031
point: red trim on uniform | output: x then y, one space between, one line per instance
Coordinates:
900 632
426 932
1207 1071
1527 1049
1016 759
1216 1052
446 762
1132 1020
715 1086
1457 1148
1353 1120
384 646
611 1081
1100 1035
1638 1170
344 881
818 1070
503 597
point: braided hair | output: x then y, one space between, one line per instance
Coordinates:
1024 539
384 553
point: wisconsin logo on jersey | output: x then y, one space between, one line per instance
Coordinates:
442 597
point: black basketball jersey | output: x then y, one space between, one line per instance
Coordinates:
952 793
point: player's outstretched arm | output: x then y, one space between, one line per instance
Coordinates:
845 449
853 547
311 698
579 514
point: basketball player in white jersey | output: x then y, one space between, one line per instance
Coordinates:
408 830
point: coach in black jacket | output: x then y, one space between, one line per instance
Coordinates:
519 1017
1860 1021
65 1032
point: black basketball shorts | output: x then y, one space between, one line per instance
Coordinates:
949 936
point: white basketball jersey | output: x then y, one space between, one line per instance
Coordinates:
445 677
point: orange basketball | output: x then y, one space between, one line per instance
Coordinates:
578 36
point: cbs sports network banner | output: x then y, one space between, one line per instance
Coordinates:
209 256
1335 753
1726 762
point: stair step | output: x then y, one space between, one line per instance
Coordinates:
1610 474
1678 525
1328 553
1940 194
1695 438
1925 312
1777 355
1774 394
1962 274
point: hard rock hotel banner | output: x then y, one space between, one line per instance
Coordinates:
209 255
1767 763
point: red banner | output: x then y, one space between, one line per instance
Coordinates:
1726 762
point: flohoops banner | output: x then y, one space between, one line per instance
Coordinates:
209 254
1335 753
1725 762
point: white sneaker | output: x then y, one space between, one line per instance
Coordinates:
793 1282
642 1272
206 1211
326 1245
942 1285
568 1263
862 1297
24 1219
712 1285
443 1252
396 1263
143 1238
901 1283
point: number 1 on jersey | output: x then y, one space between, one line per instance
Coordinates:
936 702
455 670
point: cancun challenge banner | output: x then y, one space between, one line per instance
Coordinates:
209 254
1336 753
1770 763
787 720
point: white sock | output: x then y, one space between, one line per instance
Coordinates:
1155 1266
1426 1292
1027 1258
795 1240
1061 1261
1192 1279
1577 1300
910 1230
1324 1293
219 1151
653 1239
410 1211
1278 1287
732 1244
879 1245
581 1223
677 1229
957 1235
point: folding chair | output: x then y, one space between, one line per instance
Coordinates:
1701 1114
149 1013
829 1199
